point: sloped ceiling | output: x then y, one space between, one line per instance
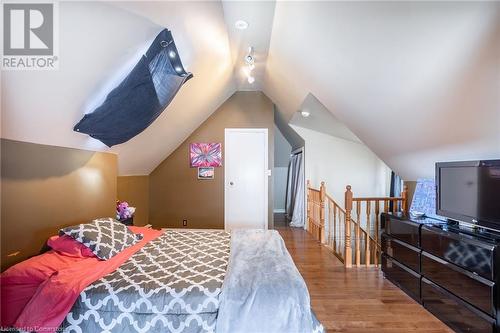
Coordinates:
99 43
320 119
417 82
259 16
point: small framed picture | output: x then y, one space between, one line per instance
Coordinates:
206 173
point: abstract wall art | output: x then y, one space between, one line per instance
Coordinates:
205 155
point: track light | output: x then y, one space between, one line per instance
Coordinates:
250 65
249 60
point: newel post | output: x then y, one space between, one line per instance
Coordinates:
308 206
404 196
348 208
322 197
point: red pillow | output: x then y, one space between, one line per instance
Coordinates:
68 246
20 282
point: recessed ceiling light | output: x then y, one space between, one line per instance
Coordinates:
305 114
241 25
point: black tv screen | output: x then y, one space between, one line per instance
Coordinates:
469 191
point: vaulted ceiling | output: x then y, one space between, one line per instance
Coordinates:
99 43
417 82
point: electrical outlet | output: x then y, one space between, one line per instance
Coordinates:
184 223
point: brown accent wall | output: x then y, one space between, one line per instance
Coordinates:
45 188
175 191
135 190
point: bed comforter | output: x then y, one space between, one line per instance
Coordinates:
171 285
178 281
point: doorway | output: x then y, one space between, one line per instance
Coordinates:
246 178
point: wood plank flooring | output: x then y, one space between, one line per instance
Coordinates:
357 299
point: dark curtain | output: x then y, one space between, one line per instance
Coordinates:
295 189
141 97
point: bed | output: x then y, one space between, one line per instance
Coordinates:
170 281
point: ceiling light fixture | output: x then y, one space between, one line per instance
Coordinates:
250 65
249 59
305 113
241 25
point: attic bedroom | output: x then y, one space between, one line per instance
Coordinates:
250 166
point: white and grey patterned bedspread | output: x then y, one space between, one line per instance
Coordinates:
171 285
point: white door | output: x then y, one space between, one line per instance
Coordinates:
246 177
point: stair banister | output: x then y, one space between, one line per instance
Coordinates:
347 242
329 231
322 196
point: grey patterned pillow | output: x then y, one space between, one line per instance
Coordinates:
104 237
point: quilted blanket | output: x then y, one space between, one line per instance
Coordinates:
171 285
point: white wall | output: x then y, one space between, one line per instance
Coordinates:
340 162
282 151
279 186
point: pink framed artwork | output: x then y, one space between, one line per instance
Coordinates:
205 155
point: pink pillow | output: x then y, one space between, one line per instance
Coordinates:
20 282
68 246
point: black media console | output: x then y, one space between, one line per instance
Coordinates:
452 270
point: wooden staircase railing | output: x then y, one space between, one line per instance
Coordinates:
316 211
332 225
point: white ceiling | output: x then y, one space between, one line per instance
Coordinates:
416 82
259 15
99 43
320 119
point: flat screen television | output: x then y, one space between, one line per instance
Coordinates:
469 192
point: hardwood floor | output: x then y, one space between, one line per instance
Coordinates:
357 299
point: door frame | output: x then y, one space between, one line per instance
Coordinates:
265 174
303 165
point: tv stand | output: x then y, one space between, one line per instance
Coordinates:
453 270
